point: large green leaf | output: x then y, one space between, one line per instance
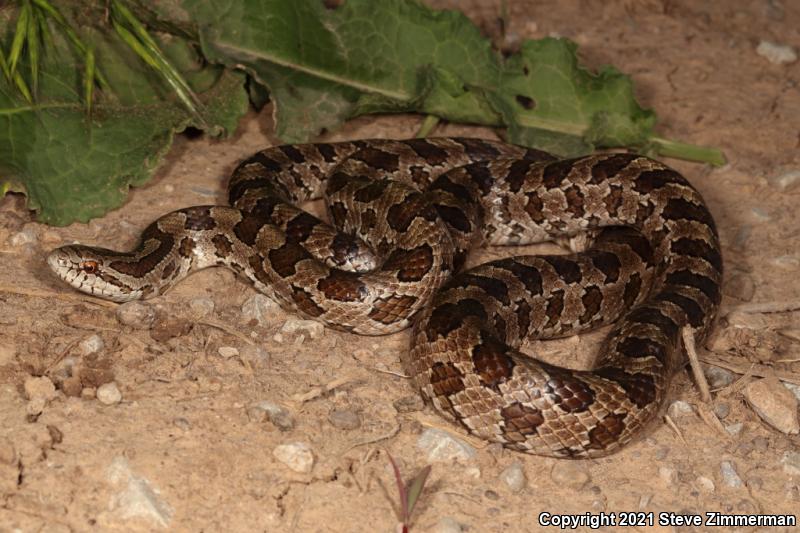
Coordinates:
75 167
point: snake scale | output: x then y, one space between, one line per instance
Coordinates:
404 215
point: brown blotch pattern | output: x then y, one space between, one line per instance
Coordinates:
411 265
520 420
392 309
305 302
607 431
492 362
343 286
222 246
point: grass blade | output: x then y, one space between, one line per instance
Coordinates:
88 80
148 49
19 36
33 48
401 489
416 486
17 79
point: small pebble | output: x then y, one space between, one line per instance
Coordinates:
734 429
778 54
668 474
28 235
729 475
441 446
166 327
39 387
409 404
718 377
705 484
794 389
447 525
90 345
569 474
740 286
136 497
182 423
313 328
297 456
722 410
228 351
136 314
774 404
109 394
344 419
259 308
72 386
791 463
786 181
254 354
473 471
514 477
277 415
491 495
201 307
679 408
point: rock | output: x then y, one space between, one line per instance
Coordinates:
344 419
447 525
718 377
722 410
787 181
135 314
312 327
254 354
138 498
109 394
740 286
774 404
276 414
296 455
569 474
409 404
705 484
166 327
514 477
90 345
491 495
679 408
227 351
28 235
734 429
668 474
182 423
777 54
201 307
39 387
441 446
729 475
259 308
791 463
89 393
794 389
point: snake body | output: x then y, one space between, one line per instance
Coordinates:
404 215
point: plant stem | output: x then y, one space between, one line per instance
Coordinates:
690 152
427 126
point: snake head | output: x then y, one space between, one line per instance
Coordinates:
86 269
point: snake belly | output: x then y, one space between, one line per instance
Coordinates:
404 216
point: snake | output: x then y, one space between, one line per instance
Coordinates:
403 218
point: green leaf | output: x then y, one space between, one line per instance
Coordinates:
550 102
323 66
75 167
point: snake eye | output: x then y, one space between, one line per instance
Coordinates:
90 267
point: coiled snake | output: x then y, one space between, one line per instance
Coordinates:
407 214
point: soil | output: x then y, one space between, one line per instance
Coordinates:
190 445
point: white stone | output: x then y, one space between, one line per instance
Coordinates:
228 351
441 446
90 345
791 463
729 475
570 474
108 394
679 408
312 327
786 181
779 54
136 314
296 455
705 484
201 307
138 498
447 525
514 477
774 404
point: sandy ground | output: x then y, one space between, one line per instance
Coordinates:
220 381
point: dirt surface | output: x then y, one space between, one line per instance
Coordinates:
218 384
